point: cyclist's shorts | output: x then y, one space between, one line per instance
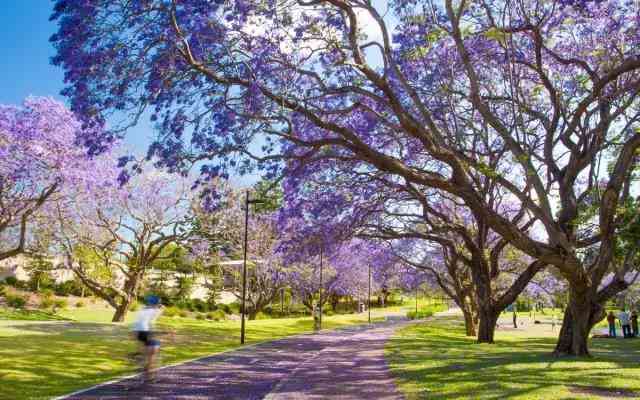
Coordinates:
146 339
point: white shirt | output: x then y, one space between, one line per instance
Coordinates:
145 319
624 318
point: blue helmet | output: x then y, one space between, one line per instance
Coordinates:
152 300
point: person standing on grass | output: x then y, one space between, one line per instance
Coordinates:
634 323
625 322
611 319
143 328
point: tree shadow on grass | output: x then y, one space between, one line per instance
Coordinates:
438 361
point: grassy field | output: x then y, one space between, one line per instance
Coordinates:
42 359
435 360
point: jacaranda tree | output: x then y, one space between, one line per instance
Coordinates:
125 229
225 228
550 86
39 157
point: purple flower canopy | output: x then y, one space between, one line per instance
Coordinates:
40 159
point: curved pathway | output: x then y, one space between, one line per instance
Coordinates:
341 364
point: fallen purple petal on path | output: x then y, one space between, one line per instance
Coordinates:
343 364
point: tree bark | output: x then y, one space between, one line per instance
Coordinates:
470 321
487 319
121 310
574 334
580 316
131 292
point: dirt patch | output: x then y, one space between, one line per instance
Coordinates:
605 393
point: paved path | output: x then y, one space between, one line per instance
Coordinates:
344 364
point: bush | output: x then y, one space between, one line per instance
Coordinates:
67 288
217 315
224 308
171 312
79 304
234 308
60 304
16 301
421 314
199 305
183 314
11 281
261 315
46 302
328 313
40 280
199 316
135 306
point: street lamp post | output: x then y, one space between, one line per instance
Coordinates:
417 300
244 262
320 291
369 302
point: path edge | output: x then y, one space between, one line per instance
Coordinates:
124 378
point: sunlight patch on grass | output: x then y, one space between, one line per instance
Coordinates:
436 360
43 359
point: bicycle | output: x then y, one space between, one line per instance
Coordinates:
146 359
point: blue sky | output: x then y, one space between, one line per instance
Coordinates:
25 68
24 39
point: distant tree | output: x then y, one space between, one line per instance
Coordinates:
39 157
126 228
225 229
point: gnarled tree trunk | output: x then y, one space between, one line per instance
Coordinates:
121 310
130 294
487 319
584 311
470 322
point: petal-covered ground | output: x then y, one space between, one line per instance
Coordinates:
342 364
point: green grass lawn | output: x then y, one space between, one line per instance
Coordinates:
435 360
42 359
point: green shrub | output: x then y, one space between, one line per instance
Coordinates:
328 313
217 315
234 308
199 316
224 308
199 305
171 312
46 302
183 314
60 304
135 306
67 288
11 281
79 304
262 315
421 314
16 301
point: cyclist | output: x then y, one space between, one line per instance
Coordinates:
143 328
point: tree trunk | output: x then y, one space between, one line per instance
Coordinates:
131 291
121 310
487 325
580 316
470 322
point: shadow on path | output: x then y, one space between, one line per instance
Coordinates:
342 364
